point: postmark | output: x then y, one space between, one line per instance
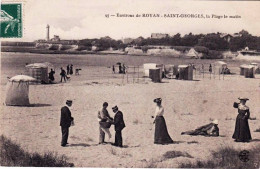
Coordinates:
11 20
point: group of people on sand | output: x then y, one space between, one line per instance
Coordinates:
122 69
63 73
242 131
104 119
70 69
161 135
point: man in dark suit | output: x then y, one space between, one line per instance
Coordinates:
119 125
65 122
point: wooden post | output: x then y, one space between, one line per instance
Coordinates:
219 73
122 78
134 75
203 71
214 72
138 74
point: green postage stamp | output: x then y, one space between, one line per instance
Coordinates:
11 21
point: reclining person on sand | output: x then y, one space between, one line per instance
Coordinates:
210 129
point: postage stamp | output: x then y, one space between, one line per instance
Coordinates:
11 21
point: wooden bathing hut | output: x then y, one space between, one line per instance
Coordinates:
249 71
155 74
242 69
170 71
185 72
39 71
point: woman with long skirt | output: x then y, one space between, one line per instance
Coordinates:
161 135
242 131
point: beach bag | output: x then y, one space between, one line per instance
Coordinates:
235 105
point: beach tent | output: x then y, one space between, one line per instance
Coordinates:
39 71
148 66
155 74
185 72
220 66
170 70
192 53
17 90
257 70
249 71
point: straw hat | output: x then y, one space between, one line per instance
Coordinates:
243 98
114 108
69 102
215 121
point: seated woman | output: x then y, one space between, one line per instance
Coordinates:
210 129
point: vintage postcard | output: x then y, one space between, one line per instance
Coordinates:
130 84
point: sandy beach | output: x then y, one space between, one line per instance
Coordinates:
187 104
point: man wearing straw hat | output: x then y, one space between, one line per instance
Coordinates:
119 125
65 122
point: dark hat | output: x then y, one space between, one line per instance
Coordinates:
243 98
68 101
157 100
115 108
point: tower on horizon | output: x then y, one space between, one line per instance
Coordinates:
48 32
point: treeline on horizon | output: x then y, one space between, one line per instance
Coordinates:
205 42
212 41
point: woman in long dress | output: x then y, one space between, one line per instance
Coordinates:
242 131
161 135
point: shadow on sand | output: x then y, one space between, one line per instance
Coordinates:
255 140
79 145
39 105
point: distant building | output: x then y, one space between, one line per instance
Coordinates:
226 37
127 40
237 35
159 35
55 38
106 38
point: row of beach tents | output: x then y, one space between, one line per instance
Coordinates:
185 72
18 86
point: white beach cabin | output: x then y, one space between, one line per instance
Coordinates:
17 90
148 66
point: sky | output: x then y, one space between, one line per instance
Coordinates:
80 19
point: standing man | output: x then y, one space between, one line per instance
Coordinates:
104 123
119 126
65 122
62 74
71 69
